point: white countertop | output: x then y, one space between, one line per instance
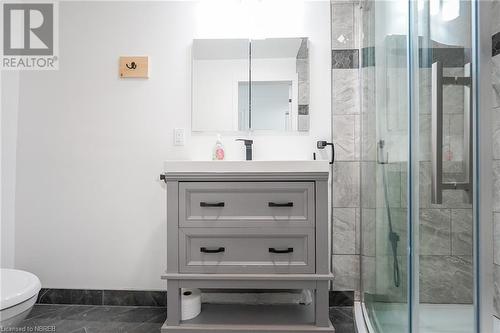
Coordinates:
245 166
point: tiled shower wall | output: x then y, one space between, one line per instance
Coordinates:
496 151
346 135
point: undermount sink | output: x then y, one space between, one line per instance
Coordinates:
245 166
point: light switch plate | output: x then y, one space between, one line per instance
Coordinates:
134 67
179 136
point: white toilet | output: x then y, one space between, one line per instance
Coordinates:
18 293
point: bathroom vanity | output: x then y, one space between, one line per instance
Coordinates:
248 225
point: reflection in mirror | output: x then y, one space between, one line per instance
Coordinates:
279 85
218 66
277 97
271 106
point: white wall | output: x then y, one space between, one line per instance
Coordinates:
90 212
9 104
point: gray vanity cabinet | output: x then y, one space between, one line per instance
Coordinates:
248 230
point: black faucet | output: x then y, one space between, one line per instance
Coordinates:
248 148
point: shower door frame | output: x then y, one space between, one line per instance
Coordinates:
483 175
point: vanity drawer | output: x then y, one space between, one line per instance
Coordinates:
246 204
250 250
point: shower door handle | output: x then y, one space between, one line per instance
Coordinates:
437 184
437 134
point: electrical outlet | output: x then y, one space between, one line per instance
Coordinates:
179 136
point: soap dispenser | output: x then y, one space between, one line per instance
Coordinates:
218 149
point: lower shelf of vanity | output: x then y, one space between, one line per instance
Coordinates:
241 318
254 277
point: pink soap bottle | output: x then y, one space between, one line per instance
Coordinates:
218 149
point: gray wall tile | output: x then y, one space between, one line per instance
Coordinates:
425 137
425 90
495 26
435 231
399 226
344 230
346 137
345 87
303 75
346 184
368 115
496 133
346 272
451 198
367 17
343 32
496 80
461 232
496 238
368 274
455 123
368 225
446 279
496 185
385 278
368 184
357 240
392 183
496 290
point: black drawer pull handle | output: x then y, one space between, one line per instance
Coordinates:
211 204
218 250
274 250
280 204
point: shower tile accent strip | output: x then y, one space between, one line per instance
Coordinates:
144 297
495 44
345 59
368 56
448 56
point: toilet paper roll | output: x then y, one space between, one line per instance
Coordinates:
190 303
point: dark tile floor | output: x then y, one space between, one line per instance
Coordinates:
121 319
342 319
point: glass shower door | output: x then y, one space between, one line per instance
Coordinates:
443 210
384 164
417 166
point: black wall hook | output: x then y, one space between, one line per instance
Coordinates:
133 65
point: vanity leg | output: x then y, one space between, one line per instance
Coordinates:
321 302
173 303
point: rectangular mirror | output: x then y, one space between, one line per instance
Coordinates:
219 65
242 85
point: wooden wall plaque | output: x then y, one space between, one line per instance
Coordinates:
134 67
